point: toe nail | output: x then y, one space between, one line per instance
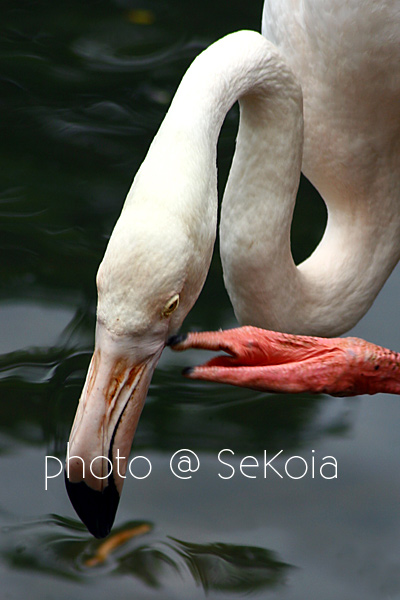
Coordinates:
187 371
175 340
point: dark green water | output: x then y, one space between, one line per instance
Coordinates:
84 86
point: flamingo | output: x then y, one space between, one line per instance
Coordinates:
345 54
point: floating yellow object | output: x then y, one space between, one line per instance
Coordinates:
113 542
141 16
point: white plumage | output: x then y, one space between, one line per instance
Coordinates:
344 56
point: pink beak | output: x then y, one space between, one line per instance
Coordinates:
109 409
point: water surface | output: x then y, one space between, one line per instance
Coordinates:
84 88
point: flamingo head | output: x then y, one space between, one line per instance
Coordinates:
151 274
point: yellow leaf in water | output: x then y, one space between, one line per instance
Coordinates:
115 541
140 16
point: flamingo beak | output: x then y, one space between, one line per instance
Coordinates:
109 409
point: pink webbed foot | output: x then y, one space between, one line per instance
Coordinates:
278 362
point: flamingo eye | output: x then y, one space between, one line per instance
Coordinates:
170 306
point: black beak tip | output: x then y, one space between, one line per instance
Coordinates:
96 510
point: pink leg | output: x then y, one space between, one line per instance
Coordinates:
279 362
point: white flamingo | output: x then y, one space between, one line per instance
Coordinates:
346 55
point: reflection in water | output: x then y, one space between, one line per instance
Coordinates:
236 569
29 324
177 414
38 547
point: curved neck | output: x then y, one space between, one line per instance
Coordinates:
178 179
330 291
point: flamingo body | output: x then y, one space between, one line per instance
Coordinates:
344 55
